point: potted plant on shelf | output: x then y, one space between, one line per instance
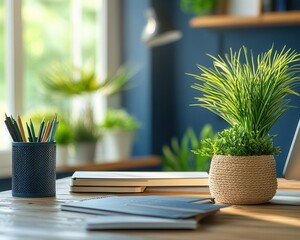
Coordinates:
250 93
66 80
119 129
200 7
64 137
86 135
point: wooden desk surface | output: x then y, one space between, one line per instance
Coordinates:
41 218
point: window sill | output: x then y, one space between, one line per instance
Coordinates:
5 164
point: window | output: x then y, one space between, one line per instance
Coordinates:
59 31
41 33
3 96
47 36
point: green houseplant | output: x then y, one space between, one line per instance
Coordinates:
85 142
250 94
86 135
64 134
178 155
64 138
66 80
119 129
199 7
119 119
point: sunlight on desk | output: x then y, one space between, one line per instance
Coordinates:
42 218
269 217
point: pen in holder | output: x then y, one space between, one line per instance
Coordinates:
33 169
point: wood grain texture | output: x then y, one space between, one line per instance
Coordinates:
41 218
124 164
141 162
227 21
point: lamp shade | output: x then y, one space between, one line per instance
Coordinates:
158 31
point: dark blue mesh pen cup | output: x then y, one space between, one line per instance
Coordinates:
33 169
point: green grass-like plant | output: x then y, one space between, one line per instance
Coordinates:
84 132
236 142
178 155
64 134
249 92
84 129
198 7
66 79
119 119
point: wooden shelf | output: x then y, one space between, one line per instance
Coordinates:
124 164
141 162
226 21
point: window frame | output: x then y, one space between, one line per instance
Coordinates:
108 52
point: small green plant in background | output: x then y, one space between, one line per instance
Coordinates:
63 80
119 119
85 130
198 7
64 134
85 133
66 79
179 157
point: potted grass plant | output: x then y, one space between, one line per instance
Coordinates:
119 129
63 138
86 134
70 82
250 93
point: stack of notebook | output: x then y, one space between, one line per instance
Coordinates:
122 182
145 212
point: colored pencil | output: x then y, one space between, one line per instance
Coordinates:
29 133
21 129
52 131
46 132
17 133
17 130
40 134
32 131
10 129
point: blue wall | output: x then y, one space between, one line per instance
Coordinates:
150 98
163 95
137 100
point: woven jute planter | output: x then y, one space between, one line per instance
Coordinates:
242 179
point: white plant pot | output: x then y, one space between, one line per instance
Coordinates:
117 145
84 152
62 155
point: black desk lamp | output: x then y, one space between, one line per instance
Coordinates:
158 31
